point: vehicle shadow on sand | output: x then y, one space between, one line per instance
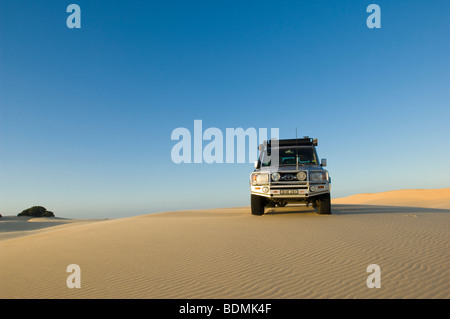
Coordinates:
347 209
289 210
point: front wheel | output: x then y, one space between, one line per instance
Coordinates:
324 205
257 204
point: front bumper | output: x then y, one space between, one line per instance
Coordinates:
290 192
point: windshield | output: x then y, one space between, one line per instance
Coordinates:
287 156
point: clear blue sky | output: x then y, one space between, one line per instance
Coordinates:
86 114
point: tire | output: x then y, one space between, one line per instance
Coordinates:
257 204
324 205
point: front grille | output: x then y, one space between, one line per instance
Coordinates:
289 178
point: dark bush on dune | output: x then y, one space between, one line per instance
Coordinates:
37 211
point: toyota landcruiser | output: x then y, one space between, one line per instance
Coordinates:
288 172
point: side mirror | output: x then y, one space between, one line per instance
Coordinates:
323 162
256 164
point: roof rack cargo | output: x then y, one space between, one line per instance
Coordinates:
295 141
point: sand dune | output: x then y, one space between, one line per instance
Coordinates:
430 198
228 253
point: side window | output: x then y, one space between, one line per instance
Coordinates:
316 161
265 160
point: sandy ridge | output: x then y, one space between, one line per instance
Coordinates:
228 253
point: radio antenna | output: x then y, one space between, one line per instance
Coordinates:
296 151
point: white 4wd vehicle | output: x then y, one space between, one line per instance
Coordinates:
289 172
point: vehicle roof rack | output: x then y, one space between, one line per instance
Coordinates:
305 141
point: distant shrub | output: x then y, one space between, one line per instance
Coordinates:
48 214
36 211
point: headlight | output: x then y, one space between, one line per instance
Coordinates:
276 177
260 178
301 176
318 176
